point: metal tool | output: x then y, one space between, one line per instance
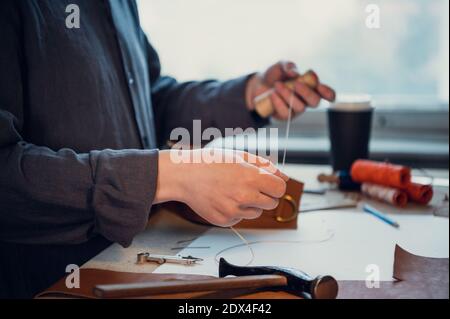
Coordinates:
291 280
143 258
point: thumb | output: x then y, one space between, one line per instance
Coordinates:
263 164
281 71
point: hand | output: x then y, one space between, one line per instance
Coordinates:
274 77
239 186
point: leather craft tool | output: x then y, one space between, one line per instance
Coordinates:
143 258
342 179
295 281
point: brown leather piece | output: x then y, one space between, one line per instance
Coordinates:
429 275
417 278
409 267
390 290
287 210
268 219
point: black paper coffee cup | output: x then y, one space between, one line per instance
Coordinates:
349 126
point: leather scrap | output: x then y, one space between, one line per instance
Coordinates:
416 277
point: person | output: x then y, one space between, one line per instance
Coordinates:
84 113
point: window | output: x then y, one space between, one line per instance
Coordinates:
216 38
404 64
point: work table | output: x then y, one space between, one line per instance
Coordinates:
165 229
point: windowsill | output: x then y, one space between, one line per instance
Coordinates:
406 130
431 153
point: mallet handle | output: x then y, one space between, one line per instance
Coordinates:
170 287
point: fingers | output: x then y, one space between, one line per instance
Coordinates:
263 164
223 220
271 185
264 202
290 98
231 212
311 97
239 189
289 68
326 92
280 71
249 213
280 107
219 218
275 171
304 97
249 206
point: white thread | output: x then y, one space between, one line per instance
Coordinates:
329 235
244 243
242 238
288 128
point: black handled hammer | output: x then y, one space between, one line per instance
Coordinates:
286 279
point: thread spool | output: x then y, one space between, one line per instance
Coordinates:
420 193
385 174
389 195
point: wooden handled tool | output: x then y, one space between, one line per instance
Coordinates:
263 103
246 277
171 287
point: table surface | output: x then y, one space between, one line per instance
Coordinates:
165 229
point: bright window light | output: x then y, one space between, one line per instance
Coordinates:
407 55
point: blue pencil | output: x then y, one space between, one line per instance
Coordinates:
380 215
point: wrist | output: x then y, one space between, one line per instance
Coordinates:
250 90
170 179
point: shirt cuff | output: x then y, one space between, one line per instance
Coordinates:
124 189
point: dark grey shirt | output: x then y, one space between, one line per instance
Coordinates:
82 114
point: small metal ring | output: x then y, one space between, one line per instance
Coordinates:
293 204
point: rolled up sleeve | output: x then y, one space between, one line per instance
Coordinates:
61 197
124 185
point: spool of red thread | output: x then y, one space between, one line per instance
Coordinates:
386 174
420 193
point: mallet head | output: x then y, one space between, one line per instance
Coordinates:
321 287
